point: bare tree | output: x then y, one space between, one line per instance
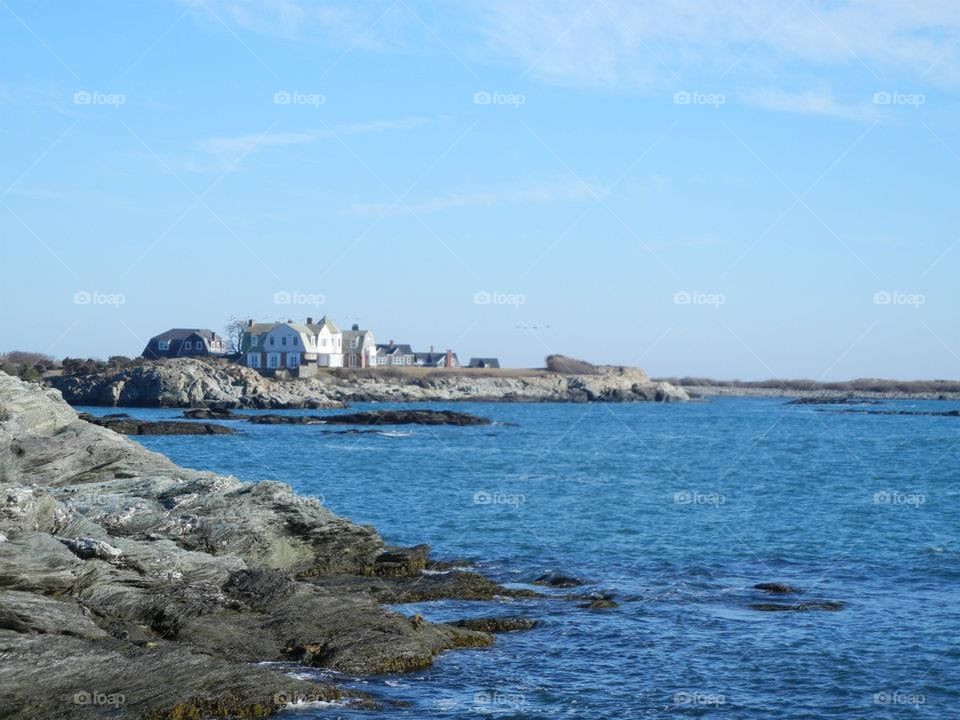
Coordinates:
233 331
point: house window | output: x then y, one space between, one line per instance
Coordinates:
273 360
283 340
253 360
163 345
354 342
293 360
296 341
186 344
271 340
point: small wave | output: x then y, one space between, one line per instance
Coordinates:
394 433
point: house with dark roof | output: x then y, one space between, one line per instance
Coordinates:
185 342
435 359
484 363
394 354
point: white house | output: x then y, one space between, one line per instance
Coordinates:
296 347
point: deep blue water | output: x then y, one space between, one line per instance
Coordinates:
679 510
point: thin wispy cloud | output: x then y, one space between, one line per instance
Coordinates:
645 42
238 145
563 190
810 102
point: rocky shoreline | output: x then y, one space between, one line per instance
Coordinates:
195 383
133 587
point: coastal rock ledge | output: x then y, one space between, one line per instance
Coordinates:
131 587
195 383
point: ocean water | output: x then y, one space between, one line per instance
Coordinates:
679 510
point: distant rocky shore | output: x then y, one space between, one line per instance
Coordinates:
816 393
197 383
132 587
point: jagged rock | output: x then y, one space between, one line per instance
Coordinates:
88 548
130 586
401 562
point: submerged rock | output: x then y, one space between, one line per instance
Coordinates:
375 417
776 588
211 413
497 624
406 417
558 580
828 605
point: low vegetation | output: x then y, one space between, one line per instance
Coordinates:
570 366
29 366
89 366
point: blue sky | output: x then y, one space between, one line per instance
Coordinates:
749 189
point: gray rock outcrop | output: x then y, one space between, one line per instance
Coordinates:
131 587
195 383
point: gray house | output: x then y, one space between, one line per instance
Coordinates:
185 342
484 363
394 354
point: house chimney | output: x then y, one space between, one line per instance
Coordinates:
391 343
431 349
309 321
356 327
449 361
289 320
250 322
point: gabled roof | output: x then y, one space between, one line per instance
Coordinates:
184 333
432 357
484 362
395 349
324 321
349 335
